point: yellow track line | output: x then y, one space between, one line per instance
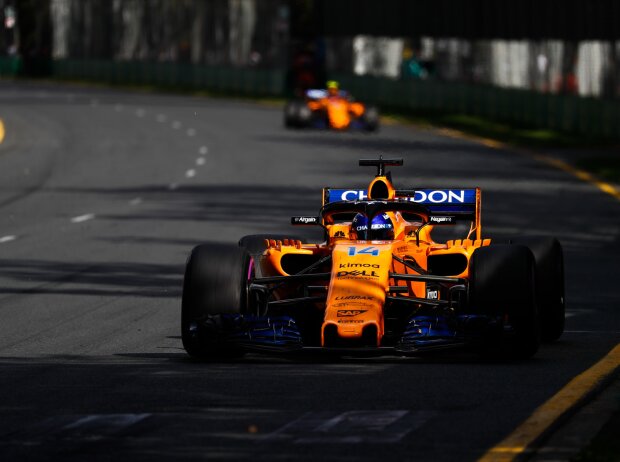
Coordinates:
520 440
1 131
605 187
581 174
523 438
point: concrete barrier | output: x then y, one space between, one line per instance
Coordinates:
242 81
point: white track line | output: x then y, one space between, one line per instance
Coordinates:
191 132
203 150
201 161
190 173
176 124
161 118
5 239
106 421
82 218
140 112
136 201
173 186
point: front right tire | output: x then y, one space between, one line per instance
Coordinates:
214 289
297 114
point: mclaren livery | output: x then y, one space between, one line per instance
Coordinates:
330 108
379 283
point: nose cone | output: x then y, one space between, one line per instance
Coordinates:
338 114
354 309
365 335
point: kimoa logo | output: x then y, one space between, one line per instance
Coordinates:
357 273
353 297
349 313
359 265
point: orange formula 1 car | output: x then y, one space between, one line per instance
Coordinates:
378 283
330 108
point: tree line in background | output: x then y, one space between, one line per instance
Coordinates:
290 34
235 32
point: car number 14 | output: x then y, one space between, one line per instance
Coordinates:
374 251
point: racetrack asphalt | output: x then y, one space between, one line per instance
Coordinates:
103 193
589 433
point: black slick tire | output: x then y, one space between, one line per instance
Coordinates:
291 114
550 299
371 119
297 114
502 285
214 286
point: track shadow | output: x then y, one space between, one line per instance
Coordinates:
164 406
92 278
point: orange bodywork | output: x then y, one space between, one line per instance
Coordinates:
361 271
339 110
358 288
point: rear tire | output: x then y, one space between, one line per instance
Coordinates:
502 285
550 300
371 119
215 284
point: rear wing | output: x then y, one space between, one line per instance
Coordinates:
446 205
317 93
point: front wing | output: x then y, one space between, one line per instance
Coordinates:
281 334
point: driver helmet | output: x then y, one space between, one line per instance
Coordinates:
381 228
332 87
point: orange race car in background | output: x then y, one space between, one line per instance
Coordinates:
378 283
330 108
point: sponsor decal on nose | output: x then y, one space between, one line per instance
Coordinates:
359 265
353 297
349 313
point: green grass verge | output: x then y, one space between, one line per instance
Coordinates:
504 132
605 166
